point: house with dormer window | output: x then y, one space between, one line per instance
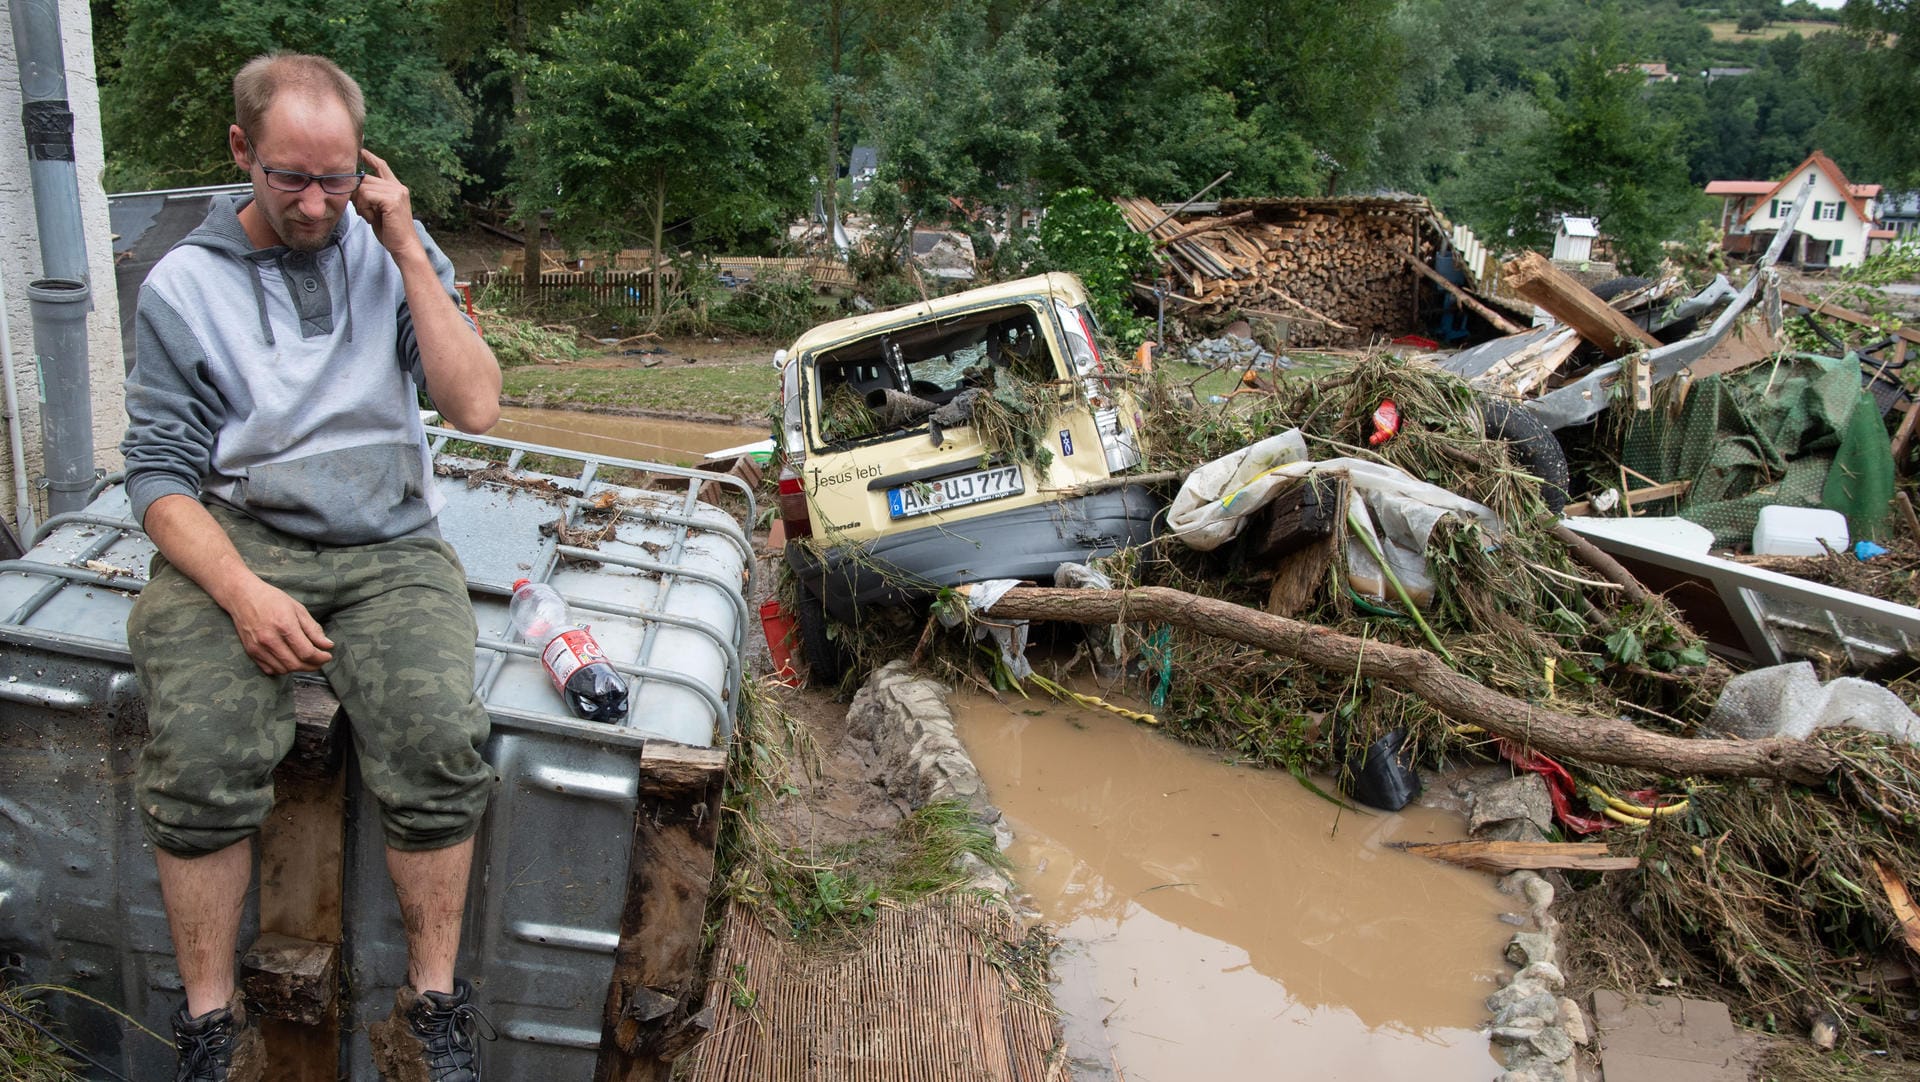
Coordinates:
1836 229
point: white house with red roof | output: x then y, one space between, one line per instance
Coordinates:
1840 226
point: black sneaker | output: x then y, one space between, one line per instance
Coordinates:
218 1046
443 1027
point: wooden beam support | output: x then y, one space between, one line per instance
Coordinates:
1500 322
293 969
1635 498
653 1009
1534 277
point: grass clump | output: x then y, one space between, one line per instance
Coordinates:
27 1054
736 393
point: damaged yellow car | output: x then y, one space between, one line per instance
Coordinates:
951 441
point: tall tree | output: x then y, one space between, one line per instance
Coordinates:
846 43
1317 71
1141 111
1873 74
1597 150
166 110
487 44
655 109
963 113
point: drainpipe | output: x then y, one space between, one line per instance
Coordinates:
62 299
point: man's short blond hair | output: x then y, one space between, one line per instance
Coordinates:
265 78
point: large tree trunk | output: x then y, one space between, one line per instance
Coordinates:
526 209
836 14
1597 740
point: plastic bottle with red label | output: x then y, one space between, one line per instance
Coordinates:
591 687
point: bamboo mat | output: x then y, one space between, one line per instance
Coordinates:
916 1000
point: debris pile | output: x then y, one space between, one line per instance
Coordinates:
1330 269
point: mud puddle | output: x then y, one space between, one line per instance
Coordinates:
648 439
1223 922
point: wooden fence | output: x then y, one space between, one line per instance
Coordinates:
605 288
601 289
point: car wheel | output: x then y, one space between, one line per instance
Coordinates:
1533 445
825 662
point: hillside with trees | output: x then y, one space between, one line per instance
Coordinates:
710 122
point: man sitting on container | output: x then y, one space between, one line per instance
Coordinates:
276 457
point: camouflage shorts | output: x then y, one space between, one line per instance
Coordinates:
402 668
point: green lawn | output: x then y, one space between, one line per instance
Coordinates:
1729 30
745 392
730 392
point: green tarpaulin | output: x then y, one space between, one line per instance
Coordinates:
1799 431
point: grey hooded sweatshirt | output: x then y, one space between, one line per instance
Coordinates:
282 383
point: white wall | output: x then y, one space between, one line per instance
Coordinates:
1851 229
20 252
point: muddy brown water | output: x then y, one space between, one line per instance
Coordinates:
1223 922
648 439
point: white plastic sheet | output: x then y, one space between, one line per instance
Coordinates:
1009 635
1397 510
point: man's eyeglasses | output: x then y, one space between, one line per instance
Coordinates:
289 180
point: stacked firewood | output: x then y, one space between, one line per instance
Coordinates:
1331 270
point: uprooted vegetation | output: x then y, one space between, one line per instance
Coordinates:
1766 893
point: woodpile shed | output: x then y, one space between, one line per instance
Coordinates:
1333 270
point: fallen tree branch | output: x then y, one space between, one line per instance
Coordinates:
1588 553
1595 740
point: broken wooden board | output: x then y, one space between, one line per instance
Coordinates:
1902 903
1534 277
1635 498
1502 857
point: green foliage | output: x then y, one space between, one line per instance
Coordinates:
1314 73
516 341
1142 111
836 891
1873 75
654 112
774 305
1594 151
166 109
964 114
1087 236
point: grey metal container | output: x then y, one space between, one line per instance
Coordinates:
661 577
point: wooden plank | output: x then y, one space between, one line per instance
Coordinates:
1503 857
1505 325
302 847
1635 498
653 1009
1534 277
1206 226
1903 435
1902 903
